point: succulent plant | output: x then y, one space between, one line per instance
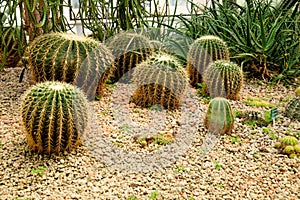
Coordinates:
292 109
129 50
288 141
297 92
219 117
9 47
223 78
297 149
160 80
70 58
288 145
202 52
54 115
288 150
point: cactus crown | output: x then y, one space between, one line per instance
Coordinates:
160 80
292 109
224 78
54 116
219 117
62 56
202 52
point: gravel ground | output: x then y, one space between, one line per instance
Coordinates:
114 165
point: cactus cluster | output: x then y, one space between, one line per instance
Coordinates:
223 79
219 117
70 58
161 80
129 50
288 145
202 52
54 115
292 109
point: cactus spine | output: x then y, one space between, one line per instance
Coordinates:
129 50
219 117
160 80
64 57
223 78
54 115
202 52
292 109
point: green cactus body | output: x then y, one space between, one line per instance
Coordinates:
224 78
70 58
297 92
288 141
202 52
219 117
54 115
292 109
160 80
297 149
129 50
288 150
9 47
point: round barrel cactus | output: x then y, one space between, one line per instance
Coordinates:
297 92
70 58
219 117
223 78
202 52
292 109
54 115
160 80
129 50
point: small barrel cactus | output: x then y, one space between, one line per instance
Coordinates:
54 115
292 109
288 145
160 80
288 141
64 57
223 78
297 92
202 52
129 50
219 117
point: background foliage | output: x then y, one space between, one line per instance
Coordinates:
264 38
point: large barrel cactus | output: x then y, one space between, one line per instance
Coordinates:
292 109
223 78
219 117
129 50
202 52
54 115
70 58
160 80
